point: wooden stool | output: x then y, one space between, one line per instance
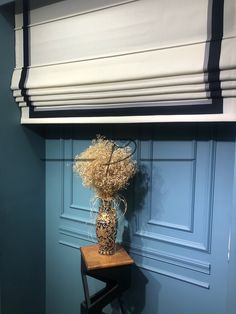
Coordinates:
114 270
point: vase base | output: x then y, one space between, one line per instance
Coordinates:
106 251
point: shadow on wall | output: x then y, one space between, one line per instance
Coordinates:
135 197
134 299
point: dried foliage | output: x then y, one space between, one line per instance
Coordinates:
105 167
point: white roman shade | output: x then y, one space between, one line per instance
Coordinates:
103 61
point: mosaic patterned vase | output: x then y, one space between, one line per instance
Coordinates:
106 229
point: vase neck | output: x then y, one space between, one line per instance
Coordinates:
106 204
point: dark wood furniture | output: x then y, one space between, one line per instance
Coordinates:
114 270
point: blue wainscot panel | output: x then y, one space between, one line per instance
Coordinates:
177 224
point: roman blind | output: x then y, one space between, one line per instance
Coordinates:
125 61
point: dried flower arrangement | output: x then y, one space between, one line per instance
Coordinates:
105 167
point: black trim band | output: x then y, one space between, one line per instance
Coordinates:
216 34
26 51
137 111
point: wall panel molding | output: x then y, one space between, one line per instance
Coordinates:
166 257
171 240
74 218
158 220
158 248
74 215
186 279
74 233
170 225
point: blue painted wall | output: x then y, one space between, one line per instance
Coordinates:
181 213
177 227
22 197
6 1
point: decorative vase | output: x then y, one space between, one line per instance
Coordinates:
106 228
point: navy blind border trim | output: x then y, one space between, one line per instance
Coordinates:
137 111
217 31
215 21
26 52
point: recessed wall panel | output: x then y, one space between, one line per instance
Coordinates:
171 178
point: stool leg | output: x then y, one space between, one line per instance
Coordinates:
83 309
86 290
121 306
85 286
